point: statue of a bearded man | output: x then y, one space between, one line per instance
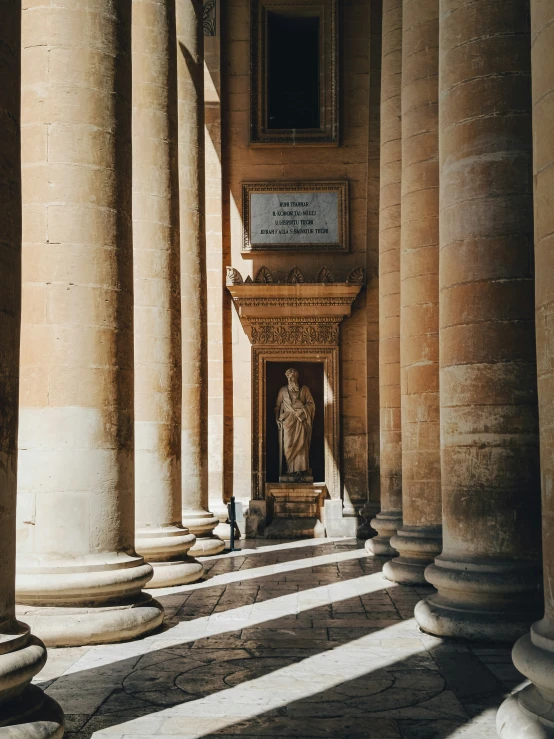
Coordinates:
294 413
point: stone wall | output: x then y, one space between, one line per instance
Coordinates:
348 161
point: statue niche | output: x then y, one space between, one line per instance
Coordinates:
294 414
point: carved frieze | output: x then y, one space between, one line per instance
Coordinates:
294 332
298 312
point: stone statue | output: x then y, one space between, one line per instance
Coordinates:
294 413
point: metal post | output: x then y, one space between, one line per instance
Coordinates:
280 451
232 522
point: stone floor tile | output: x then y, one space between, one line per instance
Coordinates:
429 729
301 639
75 721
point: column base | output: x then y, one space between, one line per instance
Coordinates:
529 714
493 602
206 546
34 715
166 549
25 711
60 626
223 532
417 547
386 524
175 572
515 721
94 599
202 524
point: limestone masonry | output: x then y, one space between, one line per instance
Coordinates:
276 369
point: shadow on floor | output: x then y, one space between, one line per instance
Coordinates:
348 669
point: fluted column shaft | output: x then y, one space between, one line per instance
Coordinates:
530 713
78 572
190 91
22 656
419 539
160 535
487 574
389 519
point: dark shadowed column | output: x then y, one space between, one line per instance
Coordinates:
419 540
25 711
530 713
487 575
389 519
194 443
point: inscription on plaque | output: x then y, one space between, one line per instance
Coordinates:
307 217
295 217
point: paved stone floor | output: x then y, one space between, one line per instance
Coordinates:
303 639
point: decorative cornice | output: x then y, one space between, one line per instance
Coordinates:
296 312
295 276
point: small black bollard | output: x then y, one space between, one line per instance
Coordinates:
232 522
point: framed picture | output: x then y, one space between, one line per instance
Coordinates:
300 216
294 72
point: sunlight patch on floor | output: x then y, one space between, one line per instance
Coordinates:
263 548
218 624
254 572
302 680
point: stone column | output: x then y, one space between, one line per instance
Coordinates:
78 574
529 714
487 575
22 655
160 535
389 519
419 539
190 91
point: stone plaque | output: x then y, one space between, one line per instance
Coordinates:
303 216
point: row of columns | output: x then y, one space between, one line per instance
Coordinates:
105 213
461 238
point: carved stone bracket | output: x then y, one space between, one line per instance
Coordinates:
209 20
297 312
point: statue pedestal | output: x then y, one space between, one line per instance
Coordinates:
297 478
295 325
295 510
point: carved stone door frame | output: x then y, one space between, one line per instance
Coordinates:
294 321
329 357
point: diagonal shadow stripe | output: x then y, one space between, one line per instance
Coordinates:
273 690
263 571
283 667
219 624
263 548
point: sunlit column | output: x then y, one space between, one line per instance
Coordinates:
419 539
160 536
389 519
530 713
78 573
487 575
190 91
